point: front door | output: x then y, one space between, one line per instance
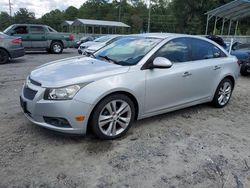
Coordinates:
22 32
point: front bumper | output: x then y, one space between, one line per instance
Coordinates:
35 110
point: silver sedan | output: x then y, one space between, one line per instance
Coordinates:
135 77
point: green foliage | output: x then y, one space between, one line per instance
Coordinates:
24 16
5 20
166 15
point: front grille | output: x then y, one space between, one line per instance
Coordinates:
34 82
29 93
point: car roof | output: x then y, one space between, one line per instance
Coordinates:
31 25
161 35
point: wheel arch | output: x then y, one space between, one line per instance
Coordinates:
57 41
230 77
1 48
126 93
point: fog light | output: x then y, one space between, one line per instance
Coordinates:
58 122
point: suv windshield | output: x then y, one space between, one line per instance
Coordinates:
127 50
7 29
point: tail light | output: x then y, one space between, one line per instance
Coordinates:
71 37
16 41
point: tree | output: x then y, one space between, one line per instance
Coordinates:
54 19
71 13
5 20
24 16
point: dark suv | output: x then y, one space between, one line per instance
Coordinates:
241 51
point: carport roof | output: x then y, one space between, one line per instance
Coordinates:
235 10
99 23
68 22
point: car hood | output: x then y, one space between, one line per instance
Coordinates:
89 43
241 54
95 47
75 70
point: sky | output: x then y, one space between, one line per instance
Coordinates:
39 7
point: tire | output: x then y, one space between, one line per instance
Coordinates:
223 93
56 47
115 124
4 56
243 70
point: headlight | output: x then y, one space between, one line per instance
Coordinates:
64 93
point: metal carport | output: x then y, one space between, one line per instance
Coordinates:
84 25
232 12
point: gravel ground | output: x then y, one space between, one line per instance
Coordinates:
196 147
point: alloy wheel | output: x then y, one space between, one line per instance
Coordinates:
224 93
114 117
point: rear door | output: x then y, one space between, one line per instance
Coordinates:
207 64
37 36
23 32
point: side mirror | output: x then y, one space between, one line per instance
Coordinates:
12 33
161 63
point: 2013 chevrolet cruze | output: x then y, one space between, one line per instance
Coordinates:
135 77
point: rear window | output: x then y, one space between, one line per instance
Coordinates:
204 50
36 29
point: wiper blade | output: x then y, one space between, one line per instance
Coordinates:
109 59
91 54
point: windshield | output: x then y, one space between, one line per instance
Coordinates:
103 39
127 50
7 29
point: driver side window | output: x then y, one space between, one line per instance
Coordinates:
21 30
176 50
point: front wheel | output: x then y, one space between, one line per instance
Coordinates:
4 56
112 117
223 93
56 48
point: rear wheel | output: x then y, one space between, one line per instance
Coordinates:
56 47
112 117
223 93
4 56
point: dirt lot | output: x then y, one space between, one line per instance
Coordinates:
195 147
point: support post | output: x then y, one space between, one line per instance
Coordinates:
149 15
236 28
229 28
207 24
215 23
222 29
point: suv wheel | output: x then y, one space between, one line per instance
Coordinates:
4 56
112 117
243 70
223 93
56 47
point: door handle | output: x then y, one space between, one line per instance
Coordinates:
186 74
217 67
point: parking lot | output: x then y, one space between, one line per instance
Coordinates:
196 147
